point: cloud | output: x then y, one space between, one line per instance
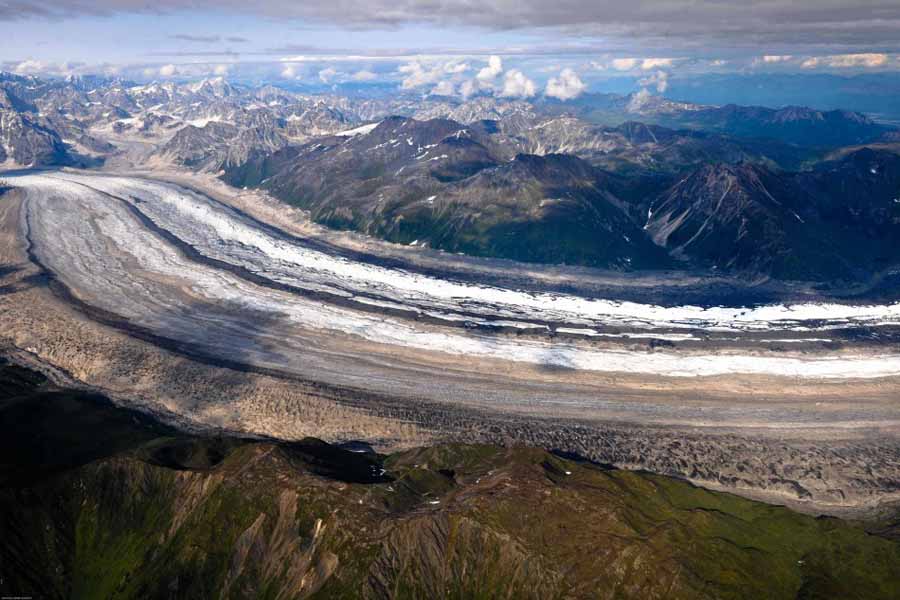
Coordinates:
489 73
453 77
848 27
221 70
168 70
444 88
31 67
565 87
290 71
624 64
327 74
655 63
660 80
773 59
364 76
468 88
846 61
419 73
517 85
57 69
639 99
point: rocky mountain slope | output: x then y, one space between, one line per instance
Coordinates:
23 140
467 188
99 501
838 221
449 186
638 149
541 181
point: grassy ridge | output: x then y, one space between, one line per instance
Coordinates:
164 514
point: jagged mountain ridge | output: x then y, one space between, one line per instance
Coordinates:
26 143
483 192
91 111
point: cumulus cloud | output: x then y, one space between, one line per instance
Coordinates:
845 61
290 71
444 88
489 73
776 58
639 100
31 67
327 74
624 64
660 80
221 70
468 88
517 85
418 73
655 63
566 86
364 76
168 70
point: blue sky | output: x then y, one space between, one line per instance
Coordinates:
445 44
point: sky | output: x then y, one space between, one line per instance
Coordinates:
516 48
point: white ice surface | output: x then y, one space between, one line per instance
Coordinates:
103 253
224 235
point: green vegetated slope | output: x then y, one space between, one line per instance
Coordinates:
169 515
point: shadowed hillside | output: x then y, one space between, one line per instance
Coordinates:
101 502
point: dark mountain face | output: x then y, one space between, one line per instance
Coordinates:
732 218
839 221
27 143
440 183
635 148
451 186
217 145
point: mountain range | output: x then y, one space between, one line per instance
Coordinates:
465 188
623 182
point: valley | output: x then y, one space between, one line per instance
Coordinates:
516 276
450 300
179 270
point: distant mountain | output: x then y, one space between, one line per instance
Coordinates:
794 124
635 148
218 145
873 93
